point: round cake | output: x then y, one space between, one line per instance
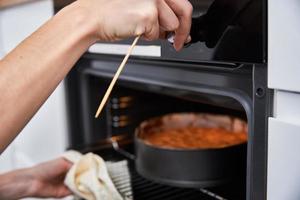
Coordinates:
195 138
193 131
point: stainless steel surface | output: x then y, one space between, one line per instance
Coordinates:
209 193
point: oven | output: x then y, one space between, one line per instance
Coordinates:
222 71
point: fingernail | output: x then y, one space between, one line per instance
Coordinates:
177 47
170 38
188 39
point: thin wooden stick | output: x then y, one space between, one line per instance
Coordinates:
108 91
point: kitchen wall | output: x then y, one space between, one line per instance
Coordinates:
44 137
284 73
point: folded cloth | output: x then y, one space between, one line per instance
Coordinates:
88 178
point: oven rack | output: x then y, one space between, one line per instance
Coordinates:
134 187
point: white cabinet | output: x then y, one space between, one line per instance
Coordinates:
45 135
284 44
284 78
284 148
284 161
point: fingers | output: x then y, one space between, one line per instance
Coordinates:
48 178
168 21
62 191
150 19
152 31
183 9
159 18
52 169
170 37
60 164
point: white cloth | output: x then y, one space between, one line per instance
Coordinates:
88 178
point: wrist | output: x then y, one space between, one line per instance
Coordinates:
29 180
16 184
80 21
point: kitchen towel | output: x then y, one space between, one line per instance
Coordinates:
88 178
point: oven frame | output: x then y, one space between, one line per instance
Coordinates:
245 83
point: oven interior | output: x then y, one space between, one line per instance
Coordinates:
128 106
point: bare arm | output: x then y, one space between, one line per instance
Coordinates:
14 185
30 73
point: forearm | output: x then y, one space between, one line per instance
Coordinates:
30 73
15 185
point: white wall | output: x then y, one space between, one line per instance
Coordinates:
284 78
44 137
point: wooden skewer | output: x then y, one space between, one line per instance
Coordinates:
108 91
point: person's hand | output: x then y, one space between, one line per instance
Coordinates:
119 19
183 10
44 180
48 179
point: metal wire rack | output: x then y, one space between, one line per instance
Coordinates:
134 187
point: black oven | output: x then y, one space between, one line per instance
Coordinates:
223 70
